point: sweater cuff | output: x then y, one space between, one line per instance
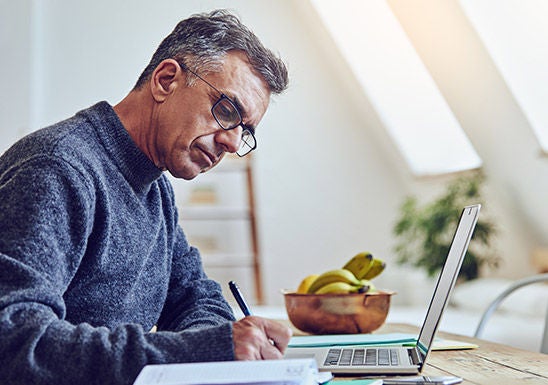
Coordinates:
210 343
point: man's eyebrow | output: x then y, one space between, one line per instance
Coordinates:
250 128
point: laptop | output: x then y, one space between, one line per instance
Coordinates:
400 359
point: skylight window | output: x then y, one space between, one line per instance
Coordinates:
515 33
398 85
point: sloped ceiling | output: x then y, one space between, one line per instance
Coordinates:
459 63
484 105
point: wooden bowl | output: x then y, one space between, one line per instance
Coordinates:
337 313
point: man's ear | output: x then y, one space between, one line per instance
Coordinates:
165 78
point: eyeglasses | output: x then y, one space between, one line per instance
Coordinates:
228 116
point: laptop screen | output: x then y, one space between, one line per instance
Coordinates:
447 278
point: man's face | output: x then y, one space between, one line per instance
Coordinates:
187 139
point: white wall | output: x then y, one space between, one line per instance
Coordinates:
15 29
329 180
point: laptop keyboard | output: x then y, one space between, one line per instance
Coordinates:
361 357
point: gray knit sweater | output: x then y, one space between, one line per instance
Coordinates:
91 258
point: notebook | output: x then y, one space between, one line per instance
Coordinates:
399 359
265 372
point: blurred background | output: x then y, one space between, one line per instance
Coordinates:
387 100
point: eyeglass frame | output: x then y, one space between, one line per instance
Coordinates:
245 128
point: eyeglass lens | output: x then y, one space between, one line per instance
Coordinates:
248 143
226 114
228 117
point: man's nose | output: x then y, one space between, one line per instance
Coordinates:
230 139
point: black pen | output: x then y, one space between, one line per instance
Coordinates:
239 298
243 305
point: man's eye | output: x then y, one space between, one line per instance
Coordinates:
226 112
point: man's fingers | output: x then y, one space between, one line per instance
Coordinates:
270 352
258 338
278 334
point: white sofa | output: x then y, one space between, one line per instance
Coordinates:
519 320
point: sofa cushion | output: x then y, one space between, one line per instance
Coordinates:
479 293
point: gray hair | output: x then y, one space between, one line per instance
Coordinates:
202 41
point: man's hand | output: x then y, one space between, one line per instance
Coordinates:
257 338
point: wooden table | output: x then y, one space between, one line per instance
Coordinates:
490 364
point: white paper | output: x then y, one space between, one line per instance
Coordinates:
266 372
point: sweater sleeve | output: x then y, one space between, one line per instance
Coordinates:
193 299
41 243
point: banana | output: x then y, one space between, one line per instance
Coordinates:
377 267
305 283
369 285
359 264
338 275
338 288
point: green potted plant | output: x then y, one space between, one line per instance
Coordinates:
424 233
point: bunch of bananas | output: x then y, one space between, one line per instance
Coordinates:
354 277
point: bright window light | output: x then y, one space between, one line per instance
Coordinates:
515 33
398 85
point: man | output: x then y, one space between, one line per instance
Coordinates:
91 256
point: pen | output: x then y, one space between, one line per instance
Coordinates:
242 304
239 298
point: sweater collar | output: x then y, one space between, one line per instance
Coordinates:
136 167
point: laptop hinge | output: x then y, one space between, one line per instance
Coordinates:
415 356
